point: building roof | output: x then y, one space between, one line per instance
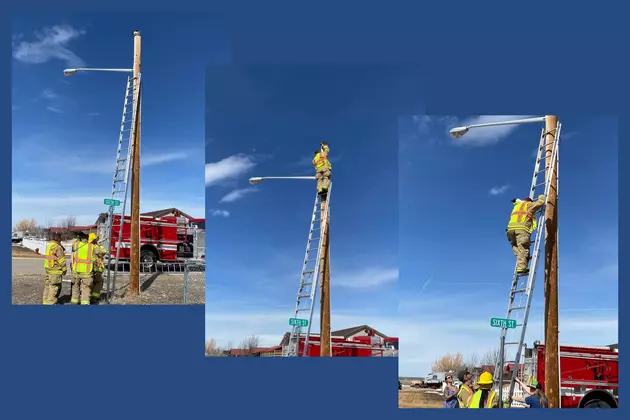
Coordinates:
253 351
166 212
347 332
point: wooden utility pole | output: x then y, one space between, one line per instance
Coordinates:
324 275
134 273
552 385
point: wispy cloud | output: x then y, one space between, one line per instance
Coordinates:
237 195
219 213
228 168
368 278
50 44
49 94
107 165
94 114
499 190
55 109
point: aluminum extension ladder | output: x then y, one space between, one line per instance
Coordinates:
120 183
309 280
523 284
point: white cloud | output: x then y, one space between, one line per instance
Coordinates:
368 278
237 195
49 94
106 165
228 168
499 190
219 213
49 44
54 109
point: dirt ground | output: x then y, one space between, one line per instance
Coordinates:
412 398
155 289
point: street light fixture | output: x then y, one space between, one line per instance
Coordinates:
70 72
258 179
457 132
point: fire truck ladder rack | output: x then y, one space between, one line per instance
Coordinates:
523 285
310 273
120 183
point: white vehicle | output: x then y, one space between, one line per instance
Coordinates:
17 237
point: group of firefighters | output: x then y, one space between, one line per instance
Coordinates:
87 269
485 397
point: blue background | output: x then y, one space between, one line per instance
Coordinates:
147 362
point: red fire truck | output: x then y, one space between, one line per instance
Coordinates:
588 375
164 239
360 346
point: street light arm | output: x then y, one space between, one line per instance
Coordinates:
259 179
70 72
460 131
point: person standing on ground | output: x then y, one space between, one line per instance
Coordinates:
55 267
484 397
536 398
522 224
322 168
99 266
450 393
76 280
83 267
465 390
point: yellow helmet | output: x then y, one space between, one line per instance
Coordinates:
92 237
485 379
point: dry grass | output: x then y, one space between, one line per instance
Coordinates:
19 251
419 399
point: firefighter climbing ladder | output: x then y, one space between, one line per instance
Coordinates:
310 273
523 285
120 183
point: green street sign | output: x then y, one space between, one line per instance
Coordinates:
503 323
298 322
110 202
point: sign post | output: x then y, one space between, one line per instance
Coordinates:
502 323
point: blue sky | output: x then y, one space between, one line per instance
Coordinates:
266 121
65 129
455 261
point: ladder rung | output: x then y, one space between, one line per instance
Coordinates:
538 185
304 296
516 308
518 291
312 249
511 343
314 239
310 260
309 272
310 283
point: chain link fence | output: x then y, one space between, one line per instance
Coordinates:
160 283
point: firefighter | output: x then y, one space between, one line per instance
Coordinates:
536 397
322 168
484 397
465 390
81 239
519 230
55 267
82 268
99 266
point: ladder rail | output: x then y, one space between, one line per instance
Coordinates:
110 215
518 282
295 329
324 233
135 95
532 275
